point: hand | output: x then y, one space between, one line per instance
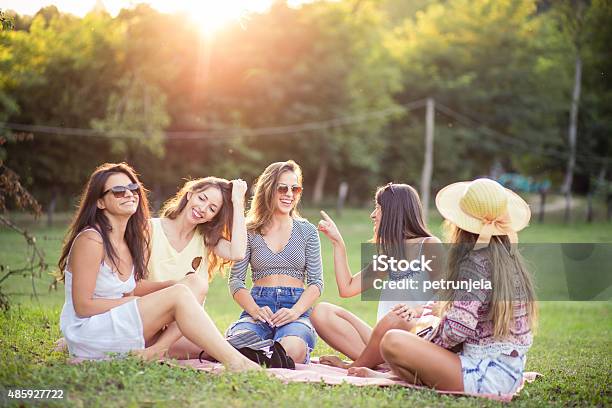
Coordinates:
284 316
436 308
404 312
328 227
128 298
239 188
262 314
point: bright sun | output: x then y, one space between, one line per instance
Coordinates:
211 15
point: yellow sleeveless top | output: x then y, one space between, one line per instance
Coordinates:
166 263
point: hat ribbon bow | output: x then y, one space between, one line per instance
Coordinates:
494 226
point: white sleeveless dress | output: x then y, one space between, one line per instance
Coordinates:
118 330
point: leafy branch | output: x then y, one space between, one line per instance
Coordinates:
6 23
12 189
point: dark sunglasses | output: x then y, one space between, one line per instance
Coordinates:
119 191
284 189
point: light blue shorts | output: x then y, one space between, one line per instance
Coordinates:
276 298
497 375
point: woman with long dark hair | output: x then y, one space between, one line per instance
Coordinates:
481 342
399 231
104 259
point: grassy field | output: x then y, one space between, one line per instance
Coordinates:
571 348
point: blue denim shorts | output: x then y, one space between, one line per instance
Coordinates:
501 374
277 298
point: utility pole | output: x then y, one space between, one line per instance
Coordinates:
428 160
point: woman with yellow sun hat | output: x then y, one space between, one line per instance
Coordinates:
481 342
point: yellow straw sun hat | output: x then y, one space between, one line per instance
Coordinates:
484 207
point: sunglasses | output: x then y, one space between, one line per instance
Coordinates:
284 189
119 191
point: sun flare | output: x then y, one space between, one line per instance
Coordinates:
210 16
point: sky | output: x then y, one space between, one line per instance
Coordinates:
81 7
210 14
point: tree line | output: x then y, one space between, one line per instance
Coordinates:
336 86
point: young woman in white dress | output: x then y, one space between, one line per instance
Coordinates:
104 260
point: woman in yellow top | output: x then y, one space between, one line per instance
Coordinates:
200 230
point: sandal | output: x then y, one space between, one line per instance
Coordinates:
280 359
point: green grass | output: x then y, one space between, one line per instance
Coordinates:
571 348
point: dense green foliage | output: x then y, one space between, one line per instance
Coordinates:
152 89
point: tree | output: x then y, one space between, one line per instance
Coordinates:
481 59
572 22
58 79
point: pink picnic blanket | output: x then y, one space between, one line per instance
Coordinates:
317 373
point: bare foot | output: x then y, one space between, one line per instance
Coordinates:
150 353
334 361
61 345
384 367
243 364
367 372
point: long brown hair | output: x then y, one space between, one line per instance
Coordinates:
88 215
401 218
510 278
212 231
263 204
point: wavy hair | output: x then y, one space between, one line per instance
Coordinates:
88 215
510 278
220 226
263 203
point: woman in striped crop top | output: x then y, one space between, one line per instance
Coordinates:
284 252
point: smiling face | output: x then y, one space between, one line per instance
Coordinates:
285 202
202 206
120 206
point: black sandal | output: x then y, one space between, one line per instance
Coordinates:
280 359
257 356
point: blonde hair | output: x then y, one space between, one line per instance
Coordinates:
212 231
510 279
263 203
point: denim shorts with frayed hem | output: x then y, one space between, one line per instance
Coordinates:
277 298
501 374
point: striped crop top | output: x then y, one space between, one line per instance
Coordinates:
301 258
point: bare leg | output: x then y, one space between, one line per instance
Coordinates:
415 359
368 372
405 375
177 303
184 349
371 357
295 347
341 329
171 342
